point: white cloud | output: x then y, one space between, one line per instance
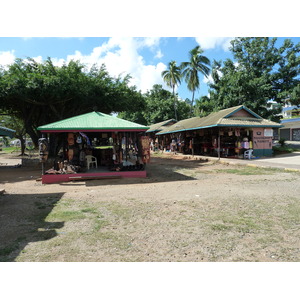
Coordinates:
209 78
214 42
121 56
38 59
158 54
58 61
150 42
7 57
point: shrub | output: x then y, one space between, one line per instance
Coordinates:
282 142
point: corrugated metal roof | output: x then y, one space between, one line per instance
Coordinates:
295 124
161 125
92 121
221 118
6 132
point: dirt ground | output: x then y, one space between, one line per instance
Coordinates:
185 210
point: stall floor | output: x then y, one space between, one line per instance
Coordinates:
93 173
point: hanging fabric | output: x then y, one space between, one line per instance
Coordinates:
86 138
70 139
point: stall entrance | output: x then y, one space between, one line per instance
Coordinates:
224 142
99 154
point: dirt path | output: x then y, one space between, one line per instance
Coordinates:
186 210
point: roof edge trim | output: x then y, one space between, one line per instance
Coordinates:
246 109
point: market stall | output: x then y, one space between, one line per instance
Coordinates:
7 132
228 133
94 145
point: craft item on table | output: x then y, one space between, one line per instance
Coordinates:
52 171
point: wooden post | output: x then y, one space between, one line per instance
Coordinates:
219 149
192 146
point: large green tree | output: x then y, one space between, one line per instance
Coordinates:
261 71
172 77
198 63
41 93
158 107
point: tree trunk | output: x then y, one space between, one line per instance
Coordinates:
33 135
192 104
23 146
175 110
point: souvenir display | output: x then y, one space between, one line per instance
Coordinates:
43 149
110 151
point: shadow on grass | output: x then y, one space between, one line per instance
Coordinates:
22 221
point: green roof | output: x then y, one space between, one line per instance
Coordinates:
92 121
6 132
160 126
222 118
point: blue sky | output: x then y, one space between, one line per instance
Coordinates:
143 58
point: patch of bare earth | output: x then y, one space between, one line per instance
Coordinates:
186 210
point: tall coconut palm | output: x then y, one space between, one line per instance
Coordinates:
190 70
172 77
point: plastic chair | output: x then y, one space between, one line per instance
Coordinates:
91 161
248 154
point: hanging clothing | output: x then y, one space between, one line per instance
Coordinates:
82 156
86 138
70 154
71 139
246 145
123 142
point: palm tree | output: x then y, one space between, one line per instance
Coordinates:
190 70
172 78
